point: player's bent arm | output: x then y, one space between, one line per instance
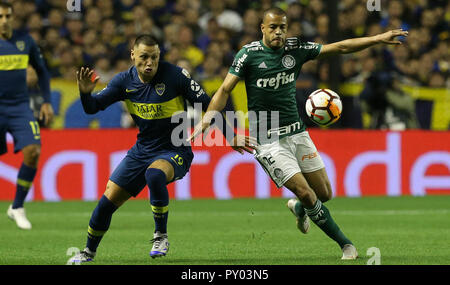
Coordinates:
220 98
109 95
357 44
100 101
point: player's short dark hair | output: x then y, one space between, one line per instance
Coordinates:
145 39
276 11
6 5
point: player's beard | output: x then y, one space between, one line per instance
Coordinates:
280 45
5 32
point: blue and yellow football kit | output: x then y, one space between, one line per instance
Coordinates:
151 106
16 117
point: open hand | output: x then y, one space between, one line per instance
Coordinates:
84 80
390 37
200 128
46 113
243 143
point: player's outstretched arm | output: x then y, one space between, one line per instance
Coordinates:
109 95
217 104
357 44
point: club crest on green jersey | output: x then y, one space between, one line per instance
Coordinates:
288 61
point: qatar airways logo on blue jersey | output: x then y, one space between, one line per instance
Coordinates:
150 110
274 82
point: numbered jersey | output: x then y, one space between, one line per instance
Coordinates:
270 77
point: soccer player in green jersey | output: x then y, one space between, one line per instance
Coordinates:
270 68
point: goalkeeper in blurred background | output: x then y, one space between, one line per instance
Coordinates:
17 49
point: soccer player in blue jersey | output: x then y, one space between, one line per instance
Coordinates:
17 50
153 91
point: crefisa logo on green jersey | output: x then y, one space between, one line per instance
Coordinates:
281 79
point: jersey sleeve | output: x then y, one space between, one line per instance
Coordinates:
191 89
308 50
194 93
113 92
239 64
37 62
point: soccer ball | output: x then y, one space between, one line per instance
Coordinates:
324 107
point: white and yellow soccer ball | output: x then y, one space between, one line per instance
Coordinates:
324 107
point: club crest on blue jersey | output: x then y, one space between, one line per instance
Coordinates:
160 88
20 45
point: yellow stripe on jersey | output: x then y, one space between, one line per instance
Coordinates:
153 111
160 210
13 62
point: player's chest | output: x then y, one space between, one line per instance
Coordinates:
150 93
14 47
269 65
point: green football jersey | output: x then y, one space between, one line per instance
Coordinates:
270 77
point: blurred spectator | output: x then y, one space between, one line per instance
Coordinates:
126 9
251 27
226 18
174 55
191 16
389 107
322 23
109 35
122 65
210 69
103 69
171 37
106 7
74 26
204 36
209 35
187 47
94 19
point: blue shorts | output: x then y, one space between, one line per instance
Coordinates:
130 173
20 122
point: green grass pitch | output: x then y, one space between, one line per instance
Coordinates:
406 230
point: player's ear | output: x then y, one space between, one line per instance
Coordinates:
132 55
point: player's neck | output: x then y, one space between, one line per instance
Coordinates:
5 36
145 79
268 46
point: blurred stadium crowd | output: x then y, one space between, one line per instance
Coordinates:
204 36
